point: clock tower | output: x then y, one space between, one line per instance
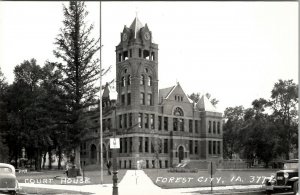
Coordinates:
137 84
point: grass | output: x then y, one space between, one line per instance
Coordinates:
59 177
165 179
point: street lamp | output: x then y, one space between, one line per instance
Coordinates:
113 97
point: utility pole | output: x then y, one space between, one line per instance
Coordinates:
100 104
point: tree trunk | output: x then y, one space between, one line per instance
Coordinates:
37 160
59 158
44 160
50 158
77 156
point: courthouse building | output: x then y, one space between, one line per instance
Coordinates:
159 127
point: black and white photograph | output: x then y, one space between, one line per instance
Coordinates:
149 97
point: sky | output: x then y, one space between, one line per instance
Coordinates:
235 51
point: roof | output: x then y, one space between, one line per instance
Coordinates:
205 104
166 91
136 26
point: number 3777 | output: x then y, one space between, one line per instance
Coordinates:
257 179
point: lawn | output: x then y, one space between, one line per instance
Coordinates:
59 177
165 179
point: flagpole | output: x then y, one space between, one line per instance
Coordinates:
100 104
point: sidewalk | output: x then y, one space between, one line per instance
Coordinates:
135 182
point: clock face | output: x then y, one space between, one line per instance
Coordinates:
147 35
124 38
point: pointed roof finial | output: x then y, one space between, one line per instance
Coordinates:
136 25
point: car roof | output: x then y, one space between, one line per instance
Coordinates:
8 166
292 161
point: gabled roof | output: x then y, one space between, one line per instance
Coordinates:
170 92
205 105
163 93
136 26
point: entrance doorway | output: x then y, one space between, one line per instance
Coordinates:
180 153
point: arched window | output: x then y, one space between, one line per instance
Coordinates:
178 112
142 80
123 81
129 80
149 81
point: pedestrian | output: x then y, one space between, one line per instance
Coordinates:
108 164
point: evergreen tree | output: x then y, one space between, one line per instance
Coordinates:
79 69
3 119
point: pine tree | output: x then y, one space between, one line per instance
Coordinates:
79 68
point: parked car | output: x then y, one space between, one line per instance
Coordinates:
284 180
8 181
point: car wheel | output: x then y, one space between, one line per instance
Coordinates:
269 192
295 187
12 193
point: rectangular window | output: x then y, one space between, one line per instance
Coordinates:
196 126
123 99
121 146
191 146
152 121
152 146
196 147
125 145
209 126
191 126
219 147
214 127
120 121
166 164
130 119
120 57
142 98
125 120
147 164
109 123
218 128
129 164
214 147
140 120
166 123
181 124
140 144
166 146
159 122
146 124
175 124
140 53
128 98
130 144
149 99
146 144
209 147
